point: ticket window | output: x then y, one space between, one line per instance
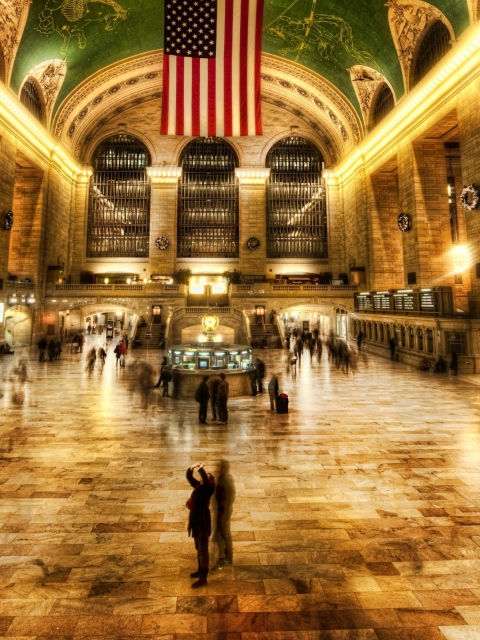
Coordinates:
203 363
234 361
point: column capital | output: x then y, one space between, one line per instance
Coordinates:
252 175
85 174
163 174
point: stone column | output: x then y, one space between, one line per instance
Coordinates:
7 153
80 225
335 227
253 219
163 218
423 195
468 115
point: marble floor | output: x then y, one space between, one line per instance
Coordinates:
357 514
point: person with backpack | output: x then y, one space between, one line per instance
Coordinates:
202 396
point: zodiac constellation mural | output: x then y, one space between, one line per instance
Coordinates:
70 17
317 35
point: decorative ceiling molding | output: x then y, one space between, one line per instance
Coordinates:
13 17
50 76
408 19
317 89
366 81
93 90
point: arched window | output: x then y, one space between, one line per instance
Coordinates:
119 212
434 46
208 200
30 98
296 204
384 103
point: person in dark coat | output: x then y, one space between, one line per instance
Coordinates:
42 347
213 383
392 346
224 497
360 340
454 363
223 399
199 520
202 396
260 371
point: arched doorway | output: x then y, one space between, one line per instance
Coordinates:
107 321
325 317
18 326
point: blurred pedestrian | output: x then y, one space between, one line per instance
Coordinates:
224 497
273 390
202 396
223 399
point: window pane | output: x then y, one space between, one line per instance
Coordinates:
119 214
208 200
296 205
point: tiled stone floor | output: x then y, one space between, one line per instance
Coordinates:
357 515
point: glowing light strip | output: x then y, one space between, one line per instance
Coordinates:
418 97
20 116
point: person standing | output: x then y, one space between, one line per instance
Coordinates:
117 352
260 371
360 340
199 520
223 399
392 346
202 395
454 363
42 347
273 390
224 497
123 352
213 383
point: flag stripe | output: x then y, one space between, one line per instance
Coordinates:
258 61
165 98
187 88
227 61
244 68
236 67
180 96
195 97
211 80
212 115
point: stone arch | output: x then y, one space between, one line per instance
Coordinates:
108 133
371 115
33 81
420 42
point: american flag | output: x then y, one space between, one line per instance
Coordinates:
211 68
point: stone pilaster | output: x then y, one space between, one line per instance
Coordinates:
253 219
80 226
163 218
335 227
423 195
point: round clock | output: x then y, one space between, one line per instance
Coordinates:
253 244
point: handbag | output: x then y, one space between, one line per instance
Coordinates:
189 504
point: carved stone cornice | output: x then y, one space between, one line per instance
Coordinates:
408 19
13 16
312 87
365 81
50 76
97 89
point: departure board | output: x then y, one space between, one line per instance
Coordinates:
436 301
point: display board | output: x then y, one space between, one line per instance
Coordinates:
432 302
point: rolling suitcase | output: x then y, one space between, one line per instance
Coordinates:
282 403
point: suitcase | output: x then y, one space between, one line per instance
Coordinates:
282 403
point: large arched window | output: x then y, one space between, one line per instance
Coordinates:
30 98
208 200
434 46
296 205
384 103
119 212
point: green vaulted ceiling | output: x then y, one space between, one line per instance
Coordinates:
92 34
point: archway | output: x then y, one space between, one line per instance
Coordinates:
323 316
18 326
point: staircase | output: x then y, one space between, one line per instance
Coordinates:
268 331
155 329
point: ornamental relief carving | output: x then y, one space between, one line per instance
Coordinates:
365 82
407 22
105 78
50 76
13 16
271 81
335 97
